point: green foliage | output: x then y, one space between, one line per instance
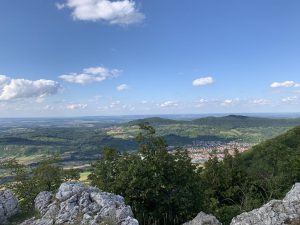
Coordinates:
28 182
21 217
249 180
71 174
162 188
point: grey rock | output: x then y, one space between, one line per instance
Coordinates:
34 221
203 219
75 203
42 201
275 212
9 205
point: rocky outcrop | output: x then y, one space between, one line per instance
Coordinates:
203 219
8 205
276 212
75 203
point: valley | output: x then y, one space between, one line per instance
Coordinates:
79 141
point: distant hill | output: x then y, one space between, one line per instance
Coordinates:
156 121
237 121
225 122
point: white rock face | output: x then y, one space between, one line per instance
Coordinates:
8 205
75 203
276 212
203 219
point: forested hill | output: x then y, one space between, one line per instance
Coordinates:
253 178
236 121
280 150
226 122
156 121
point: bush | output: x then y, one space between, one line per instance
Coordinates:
29 182
162 188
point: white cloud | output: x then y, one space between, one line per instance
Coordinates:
114 104
168 104
289 99
3 79
260 102
123 87
201 102
122 12
229 102
60 6
90 75
285 84
203 81
40 99
144 102
76 106
48 107
22 88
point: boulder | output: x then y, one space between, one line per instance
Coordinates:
9 205
275 212
203 219
75 203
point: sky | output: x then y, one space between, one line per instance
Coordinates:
131 57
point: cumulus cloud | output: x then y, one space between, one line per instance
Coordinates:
289 99
48 107
260 101
122 12
114 104
203 81
90 75
168 104
59 6
229 102
201 102
3 79
22 88
76 106
123 87
285 84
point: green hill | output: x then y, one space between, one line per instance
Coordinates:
237 121
155 121
276 154
249 180
225 122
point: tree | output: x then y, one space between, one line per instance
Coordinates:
161 187
29 182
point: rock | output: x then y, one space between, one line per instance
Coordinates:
203 219
275 212
75 203
9 205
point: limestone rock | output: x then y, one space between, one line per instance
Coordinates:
275 212
8 205
75 203
203 219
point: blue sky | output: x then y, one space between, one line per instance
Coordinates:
102 57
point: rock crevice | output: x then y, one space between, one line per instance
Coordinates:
75 203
